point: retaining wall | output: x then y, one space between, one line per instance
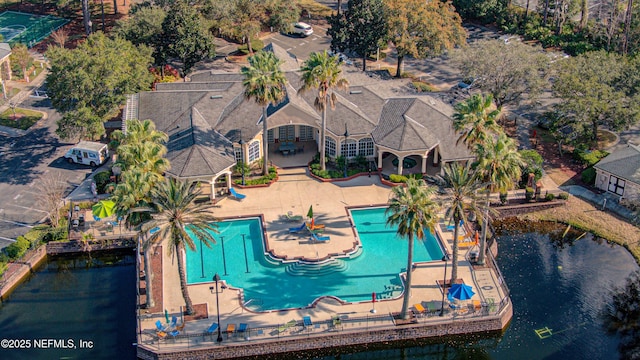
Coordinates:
335 340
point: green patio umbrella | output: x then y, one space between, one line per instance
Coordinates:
103 208
310 212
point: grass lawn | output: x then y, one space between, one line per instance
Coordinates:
24 118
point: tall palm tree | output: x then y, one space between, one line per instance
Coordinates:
475 120
500 165
142 147
461 186
322 72
180 220
413 210
266 84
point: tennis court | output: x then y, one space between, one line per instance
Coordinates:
29 29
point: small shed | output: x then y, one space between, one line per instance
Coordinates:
619 172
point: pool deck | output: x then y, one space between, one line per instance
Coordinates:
295 192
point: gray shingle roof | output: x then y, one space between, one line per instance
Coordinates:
5 50
623 163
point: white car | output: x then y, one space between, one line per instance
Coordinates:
302 29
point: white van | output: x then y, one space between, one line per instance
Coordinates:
87 153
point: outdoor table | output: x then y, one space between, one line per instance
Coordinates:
287 147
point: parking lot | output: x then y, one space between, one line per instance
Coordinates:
299 46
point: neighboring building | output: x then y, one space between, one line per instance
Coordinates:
211 125
619 172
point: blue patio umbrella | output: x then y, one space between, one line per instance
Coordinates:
461 291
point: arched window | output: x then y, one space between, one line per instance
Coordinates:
330 148
254 151
365 147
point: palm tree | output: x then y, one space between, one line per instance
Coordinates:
461 186
475 120
322 72
500 165
142 147
413 210
266 84
180 220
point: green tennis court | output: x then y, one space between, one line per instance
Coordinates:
28 29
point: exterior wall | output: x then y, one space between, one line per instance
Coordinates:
631 189
337 340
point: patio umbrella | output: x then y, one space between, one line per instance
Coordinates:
461 291
103 208
310 212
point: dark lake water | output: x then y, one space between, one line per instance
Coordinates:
562 287
74 299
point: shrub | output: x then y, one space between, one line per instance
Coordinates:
102 179
528 193
588 176
395 178
549 197
18 248
563 196
588 157
3 267
423 86
503 197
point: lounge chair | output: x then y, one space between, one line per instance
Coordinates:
236 195
290 217
212 328
159 326
297 229
242 327
315 237
231 328
284 327
161 334
313 226
306 320
419 309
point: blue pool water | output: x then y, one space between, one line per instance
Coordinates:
270 286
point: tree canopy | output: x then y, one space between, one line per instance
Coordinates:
506 70
185 36
87 84
422 29
359 29
596 90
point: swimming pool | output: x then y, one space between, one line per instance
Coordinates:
239 258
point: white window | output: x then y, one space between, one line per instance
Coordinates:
287 133
254 151
330 148
365 147
306 133
238 153
348 148
270 138
616 185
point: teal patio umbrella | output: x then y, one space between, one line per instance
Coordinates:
310 212
103 208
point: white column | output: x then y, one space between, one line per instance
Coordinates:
228 176
213 189
379 159
400 160
424 164
435 156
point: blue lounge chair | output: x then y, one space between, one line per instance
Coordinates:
242 328
452 227
159 326
315 237
307 321
298 229
174 321
236 195
212 328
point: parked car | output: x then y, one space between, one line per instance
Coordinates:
302 29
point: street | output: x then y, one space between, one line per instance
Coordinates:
23 162
301 47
